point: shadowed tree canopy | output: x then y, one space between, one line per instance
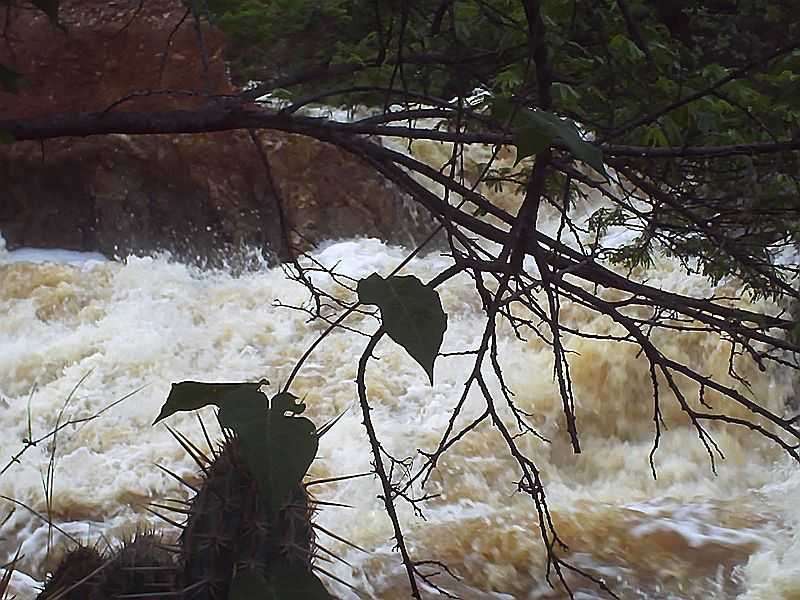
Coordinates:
699 99
683 116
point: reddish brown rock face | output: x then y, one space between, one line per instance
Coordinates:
196 195
107 51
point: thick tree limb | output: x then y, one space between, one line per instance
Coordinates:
229 114
223 117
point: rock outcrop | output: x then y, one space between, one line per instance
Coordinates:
195 195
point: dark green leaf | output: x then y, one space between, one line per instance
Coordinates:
10 80
529 142
506 112
535 130
6 137
529 137
625 47
278 449
411 313
191 395
565 131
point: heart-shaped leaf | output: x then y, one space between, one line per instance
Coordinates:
411 313
278 449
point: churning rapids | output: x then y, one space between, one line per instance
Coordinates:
116 326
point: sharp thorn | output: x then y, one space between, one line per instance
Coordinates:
182 511
338 537
206 436
192 450
336 556
167 519
327 426
335 578
327 503
195 489
332 479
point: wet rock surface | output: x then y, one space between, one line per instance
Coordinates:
198 196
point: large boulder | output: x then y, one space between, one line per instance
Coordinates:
196 195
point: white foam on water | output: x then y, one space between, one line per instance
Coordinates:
140 324
48 255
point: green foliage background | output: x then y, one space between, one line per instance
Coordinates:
612 63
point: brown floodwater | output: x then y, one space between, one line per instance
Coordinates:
120 325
